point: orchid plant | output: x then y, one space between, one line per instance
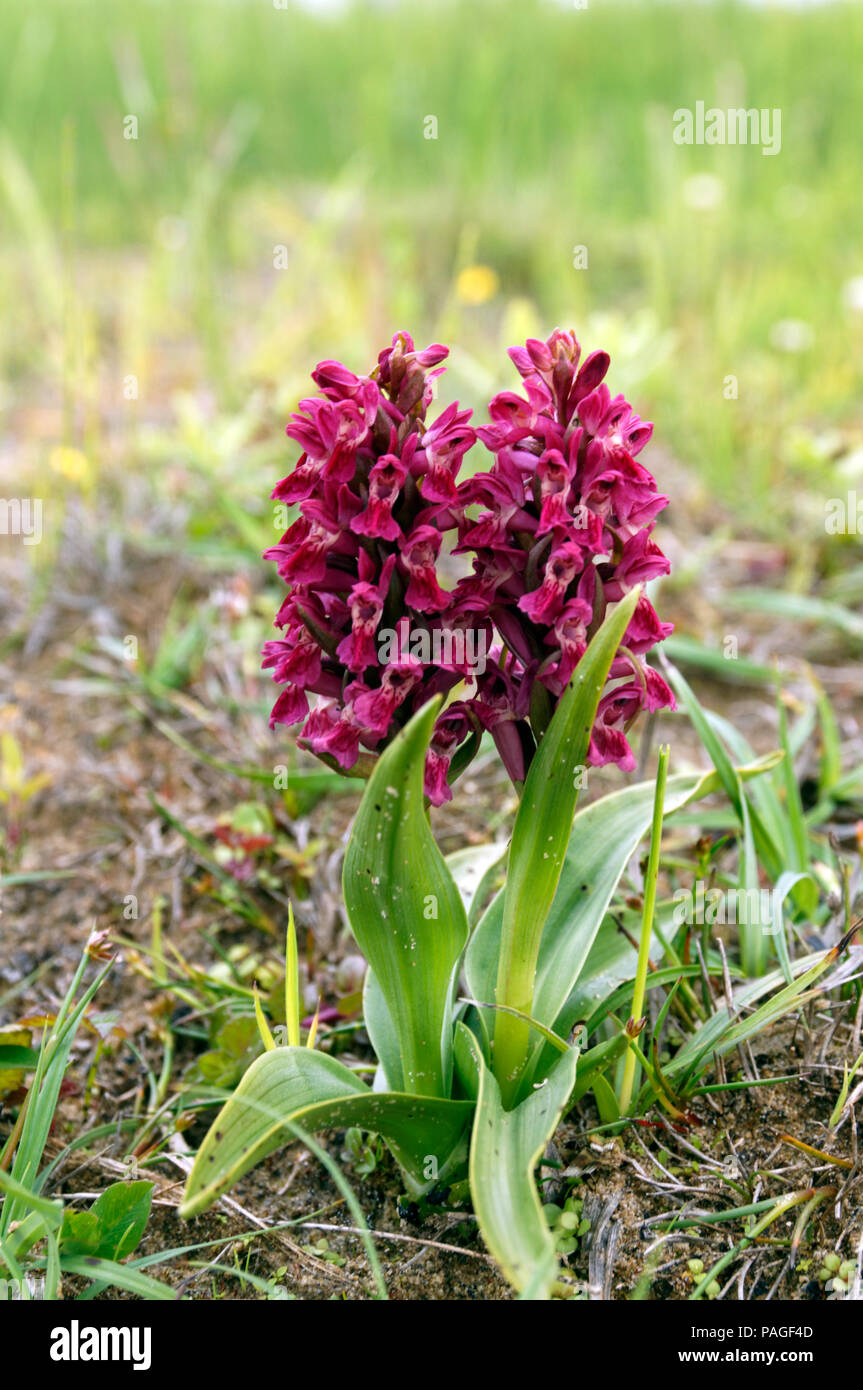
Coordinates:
541 644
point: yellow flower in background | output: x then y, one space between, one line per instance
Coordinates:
70 463
477 284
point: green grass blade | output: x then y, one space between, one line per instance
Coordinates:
52 1210
798 607
754 941
119 1276
831 754
690 652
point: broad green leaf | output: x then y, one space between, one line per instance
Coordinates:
384 1038
114 1224
505 1148
405 910
472 868
122 1211
312 1090
19 1058
539 841
80 1233
604 836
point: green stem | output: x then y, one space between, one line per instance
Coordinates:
780 1207
540 837
516 974
646 925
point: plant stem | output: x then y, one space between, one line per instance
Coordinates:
646 924
541 834
780 1207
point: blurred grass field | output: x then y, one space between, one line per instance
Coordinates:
164 297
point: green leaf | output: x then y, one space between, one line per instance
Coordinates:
383 1035
539 841
797 607
597 1060
557 1043
606 1100
689 651
296 1085
831 753
763 794
122 1211
405 910
44 1093
505 1149
30 1200
768 850
785 884
24 1236
776 814
113 1226
604 836
753 941
806 893
473 869
19 1058
722 1031
80 1233
120 1276
618 973
612 958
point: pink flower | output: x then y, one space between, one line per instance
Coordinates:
451 730
445 445
554 475
564 565
417 560
385 483
376 708
559 527
334 730
357 650
373 485
566 531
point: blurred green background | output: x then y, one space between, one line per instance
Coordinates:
164 297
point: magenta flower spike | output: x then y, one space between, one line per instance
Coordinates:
556 529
